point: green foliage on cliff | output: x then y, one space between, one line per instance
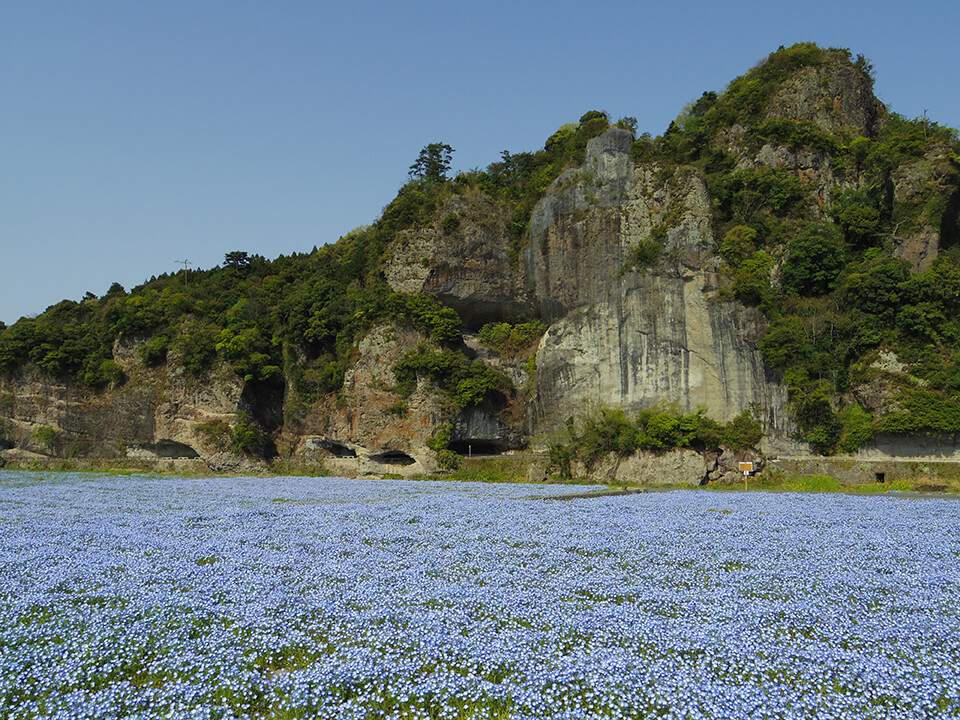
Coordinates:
611 430
511 339
467 382
521 179
644 253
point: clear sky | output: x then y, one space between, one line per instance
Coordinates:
137 134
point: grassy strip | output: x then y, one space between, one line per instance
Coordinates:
943 479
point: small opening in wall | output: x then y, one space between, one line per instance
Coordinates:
881 477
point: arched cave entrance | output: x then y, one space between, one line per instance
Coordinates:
173 449
393 457
339 450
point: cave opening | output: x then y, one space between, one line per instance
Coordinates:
341 451
393 457
174 449
469 448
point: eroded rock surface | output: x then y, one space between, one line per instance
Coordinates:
636 338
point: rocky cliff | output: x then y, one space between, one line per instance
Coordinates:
644 272
638 337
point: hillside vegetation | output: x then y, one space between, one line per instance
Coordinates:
855 264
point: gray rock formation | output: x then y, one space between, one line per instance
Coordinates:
926 204
467 268
834 96
637 338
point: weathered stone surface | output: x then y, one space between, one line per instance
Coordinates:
151 408
811 166
926 199
536 474
835 97
662 340
638 338
469 268
932 446
481 429
369 416
680 466
673 467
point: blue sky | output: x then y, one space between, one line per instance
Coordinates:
137 134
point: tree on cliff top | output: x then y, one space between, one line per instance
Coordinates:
433 163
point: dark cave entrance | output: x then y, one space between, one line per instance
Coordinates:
469 448
393 457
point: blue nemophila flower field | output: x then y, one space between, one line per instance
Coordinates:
303 597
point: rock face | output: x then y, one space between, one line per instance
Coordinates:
369 423
676 467
925 199
616 336
466 266
835 96
637 338
156 413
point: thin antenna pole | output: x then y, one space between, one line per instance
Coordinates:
185 264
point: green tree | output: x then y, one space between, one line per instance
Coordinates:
433 163
738 244
814 259
816 417
628 123
786 343
742 432
237 259
854 212
751 282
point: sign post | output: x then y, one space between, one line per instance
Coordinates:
746 468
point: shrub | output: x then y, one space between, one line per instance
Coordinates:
751 281
397 409
856 215
644 254
217 432
441 438
104 373
857 427
815 416
450 224
743 431
738 244
448 460
47 436
196 347
785 343
560 459
248 439
609 430
154 353
427 314
510 340
6 433
814 259
467 382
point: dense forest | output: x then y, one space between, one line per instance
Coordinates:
826 274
